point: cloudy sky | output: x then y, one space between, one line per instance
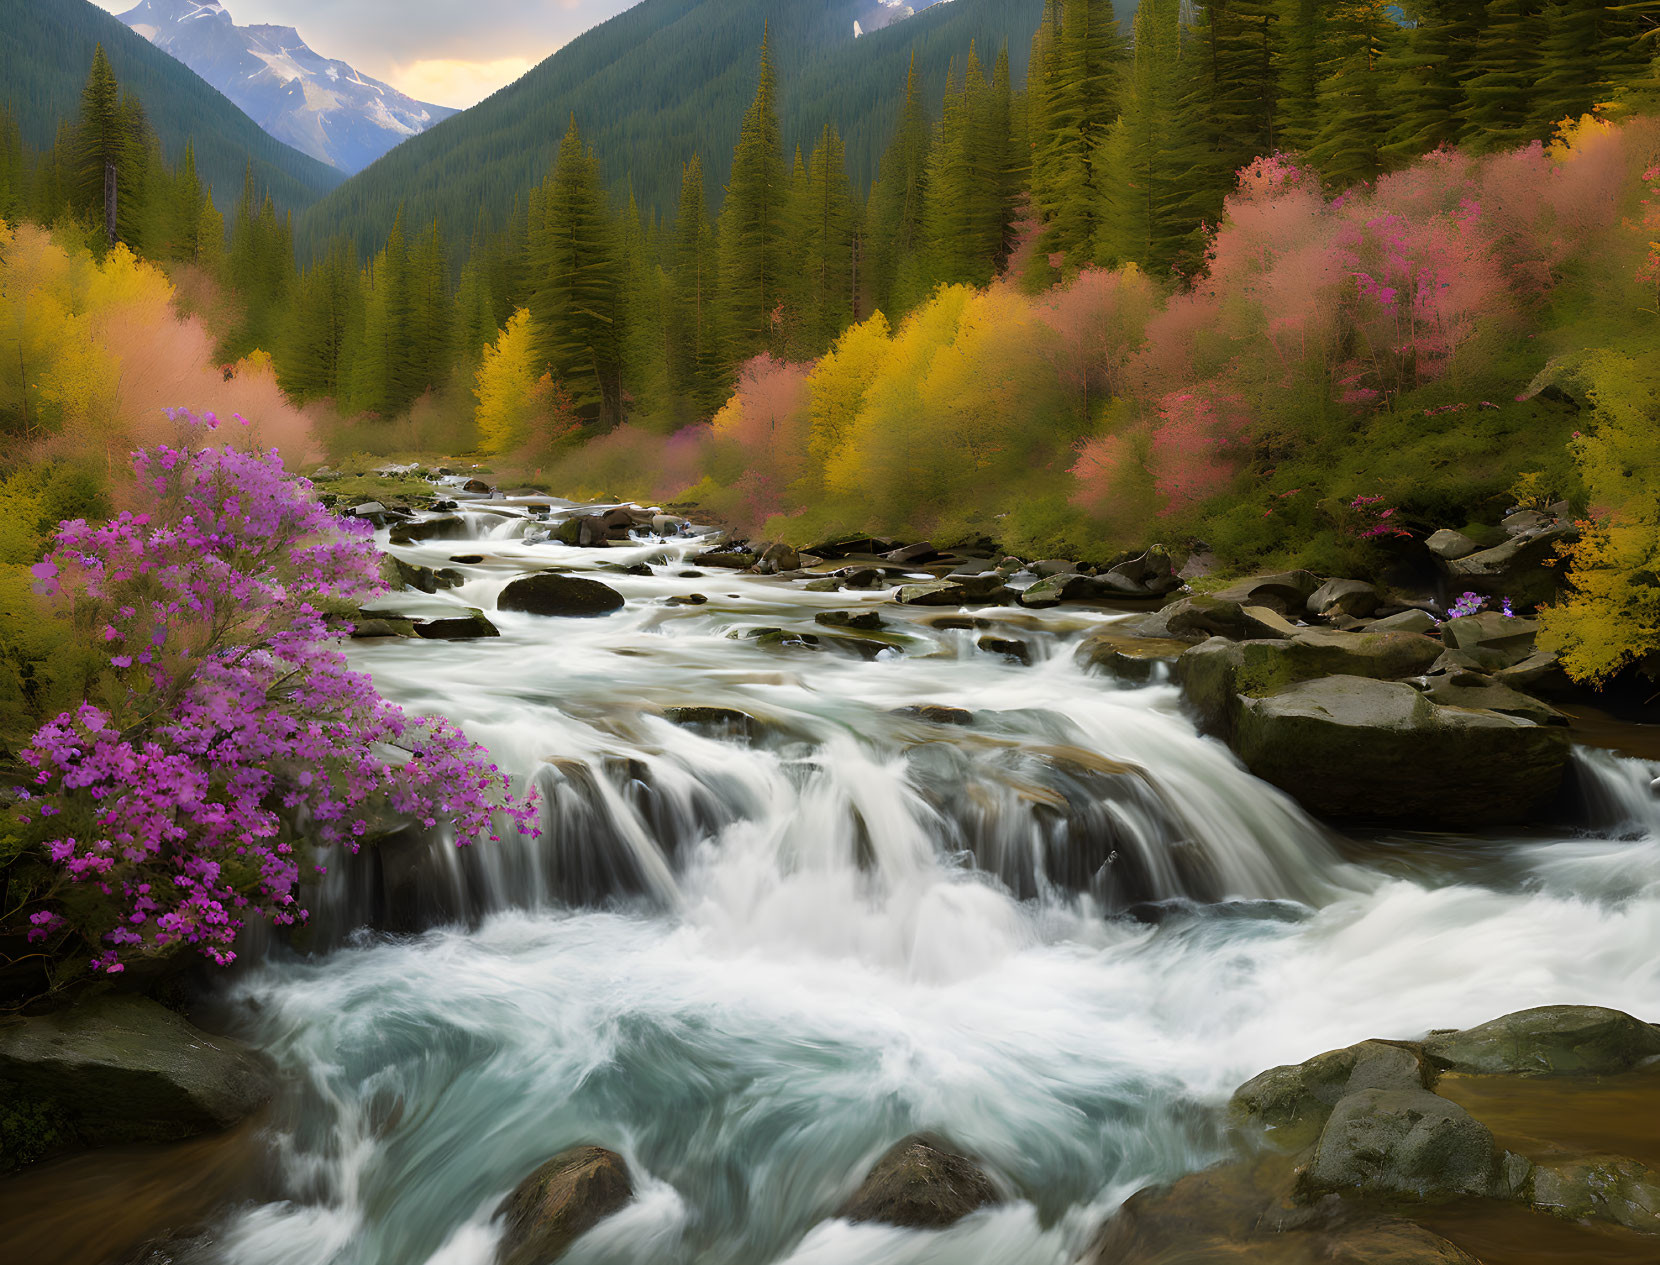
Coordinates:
452 52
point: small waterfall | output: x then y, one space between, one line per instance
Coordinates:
1620 795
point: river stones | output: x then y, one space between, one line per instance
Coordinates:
561 1201
1549 1041
552 594
778 557
119 1069
1134 659
981 590
1339 1155
1461 691
1494 631
920 1184
862 621
727 559
1353 747
1408 621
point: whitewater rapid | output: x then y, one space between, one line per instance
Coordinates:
1058 937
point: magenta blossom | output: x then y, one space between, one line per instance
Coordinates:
234 737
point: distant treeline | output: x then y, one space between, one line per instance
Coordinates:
1120 150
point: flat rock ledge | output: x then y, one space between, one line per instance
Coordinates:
118 1069
1354 1155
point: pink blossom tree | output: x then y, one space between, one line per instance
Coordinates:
229 737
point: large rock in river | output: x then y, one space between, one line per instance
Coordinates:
1353 747
561 1201
550 593
125 1069
920 1185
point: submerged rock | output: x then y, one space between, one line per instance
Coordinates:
549 593
1603 1188
124 1069
561 1201
920 1185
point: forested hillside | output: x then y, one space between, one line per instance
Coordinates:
45 48
654 86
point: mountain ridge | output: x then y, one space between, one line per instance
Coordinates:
46 48
657 83
319 105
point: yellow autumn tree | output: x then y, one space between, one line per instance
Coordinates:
838 383
506 386
1610 615
882 457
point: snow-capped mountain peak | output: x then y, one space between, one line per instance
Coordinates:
321 106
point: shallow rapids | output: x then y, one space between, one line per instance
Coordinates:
750 955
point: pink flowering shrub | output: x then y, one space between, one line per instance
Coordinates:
229 735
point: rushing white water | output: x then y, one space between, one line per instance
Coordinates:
751 961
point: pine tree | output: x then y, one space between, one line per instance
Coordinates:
13 166
323 320
575 296
1588 50
897 203
1499 105
1081 93
1143 217
752 248
431 332
1432 64
1228 108
1297 71
695 377
103 144
1353 92
644 316
383 381
829 241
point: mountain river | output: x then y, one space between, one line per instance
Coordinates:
751 956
